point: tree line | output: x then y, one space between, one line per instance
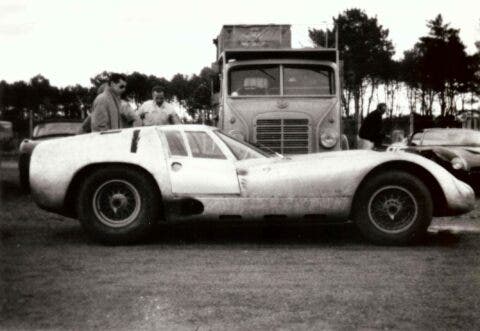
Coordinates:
435 71
73 102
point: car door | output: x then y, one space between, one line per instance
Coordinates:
197 165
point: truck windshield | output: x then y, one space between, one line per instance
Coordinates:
255 80
298 80
308 80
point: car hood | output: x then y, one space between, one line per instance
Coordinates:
353 156
356 158
470 154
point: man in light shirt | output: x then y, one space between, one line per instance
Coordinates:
158 111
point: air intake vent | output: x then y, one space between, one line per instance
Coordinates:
285 136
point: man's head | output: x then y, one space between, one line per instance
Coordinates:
382 107
117 83
158 95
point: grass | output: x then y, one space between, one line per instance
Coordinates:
231 277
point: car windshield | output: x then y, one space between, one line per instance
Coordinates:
56 129
416 139
241 149
451 138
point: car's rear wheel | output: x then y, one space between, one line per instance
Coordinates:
393 208
118 205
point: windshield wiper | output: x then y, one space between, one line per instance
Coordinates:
271 151
266 73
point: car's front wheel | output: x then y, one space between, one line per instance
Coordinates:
393 208
118 205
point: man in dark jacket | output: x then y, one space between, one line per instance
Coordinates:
371 128
106 106
128 116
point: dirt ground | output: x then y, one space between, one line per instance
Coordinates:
231 276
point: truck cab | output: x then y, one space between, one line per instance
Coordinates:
281 99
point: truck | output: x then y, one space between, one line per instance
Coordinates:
283 99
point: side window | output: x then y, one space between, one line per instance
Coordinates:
175 143
203 146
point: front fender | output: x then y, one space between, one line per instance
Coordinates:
459 196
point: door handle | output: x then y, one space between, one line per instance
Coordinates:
176 166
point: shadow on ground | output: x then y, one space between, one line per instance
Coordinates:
216 233
10 191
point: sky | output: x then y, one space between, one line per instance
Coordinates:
69 41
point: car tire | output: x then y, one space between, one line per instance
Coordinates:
393 208
118 205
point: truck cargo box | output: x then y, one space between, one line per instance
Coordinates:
270 36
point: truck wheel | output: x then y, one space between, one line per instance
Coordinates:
393 208
118 205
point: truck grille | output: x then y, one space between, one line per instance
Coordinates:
285 136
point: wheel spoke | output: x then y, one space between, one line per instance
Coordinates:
116 203
392 209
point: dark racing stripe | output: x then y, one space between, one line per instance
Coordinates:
135 139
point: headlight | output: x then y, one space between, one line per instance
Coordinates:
328 138
458 163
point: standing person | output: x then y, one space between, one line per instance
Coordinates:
87 122
158 111
106 106
129 116
372 128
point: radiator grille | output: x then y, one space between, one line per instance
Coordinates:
285 136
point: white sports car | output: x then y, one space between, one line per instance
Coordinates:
119 183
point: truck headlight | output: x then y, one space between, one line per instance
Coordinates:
458 163
328 138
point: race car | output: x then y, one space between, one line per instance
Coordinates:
119 183
455 149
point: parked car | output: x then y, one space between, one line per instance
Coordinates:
6 136
457 150
119 183
41 132
6 130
